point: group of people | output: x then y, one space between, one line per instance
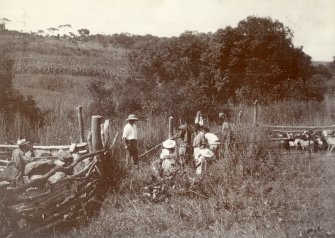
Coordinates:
196 146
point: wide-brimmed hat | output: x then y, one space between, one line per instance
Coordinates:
22 142
206 153
132 117
168 144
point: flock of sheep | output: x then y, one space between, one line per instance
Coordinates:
309 140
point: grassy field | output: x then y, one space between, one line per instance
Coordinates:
264 193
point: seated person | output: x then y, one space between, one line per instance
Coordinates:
19 161
166 165
201 160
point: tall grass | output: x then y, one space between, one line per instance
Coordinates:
264 193
267 193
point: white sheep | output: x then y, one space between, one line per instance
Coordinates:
331 143
306 144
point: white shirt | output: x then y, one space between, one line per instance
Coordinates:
130 132
211 138
167 154
164 154
199 120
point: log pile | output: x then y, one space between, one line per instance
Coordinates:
59 198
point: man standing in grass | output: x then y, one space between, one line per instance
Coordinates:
226 134
129 138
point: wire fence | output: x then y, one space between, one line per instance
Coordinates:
275 145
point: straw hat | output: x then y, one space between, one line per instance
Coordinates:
132 117
22 142
206 153
168 144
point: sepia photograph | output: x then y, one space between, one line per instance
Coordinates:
167 118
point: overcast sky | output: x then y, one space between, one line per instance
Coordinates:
312 21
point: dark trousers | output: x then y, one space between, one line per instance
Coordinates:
132 151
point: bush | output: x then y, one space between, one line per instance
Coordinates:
13 104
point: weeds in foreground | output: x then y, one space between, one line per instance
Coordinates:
242 195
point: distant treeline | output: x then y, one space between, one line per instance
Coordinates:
254 61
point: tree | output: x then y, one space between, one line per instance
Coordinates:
11 101
84 32
40 32
257 60
64 29
52 30
3 22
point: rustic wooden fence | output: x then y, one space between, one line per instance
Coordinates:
41 205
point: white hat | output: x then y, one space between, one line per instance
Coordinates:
221 114
132 117
206 153
168 144
22 142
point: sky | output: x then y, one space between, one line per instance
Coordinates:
312 21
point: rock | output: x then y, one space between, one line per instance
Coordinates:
34 177
56 177
65 156
39 167
58 162
41 153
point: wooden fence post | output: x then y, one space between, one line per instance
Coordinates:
81 124
255 113
254 130
102 134
107 133
170 127
89 141
239 117
96 133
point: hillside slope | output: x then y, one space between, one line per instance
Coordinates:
52 69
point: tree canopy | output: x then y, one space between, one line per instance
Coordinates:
254 60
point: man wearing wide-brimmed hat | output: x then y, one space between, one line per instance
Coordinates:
129 138
20 160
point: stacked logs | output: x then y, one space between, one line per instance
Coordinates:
40 206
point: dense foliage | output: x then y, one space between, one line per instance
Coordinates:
12 102
255 60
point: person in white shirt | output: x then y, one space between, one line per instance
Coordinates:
201 160
129 138
199 119
212 140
